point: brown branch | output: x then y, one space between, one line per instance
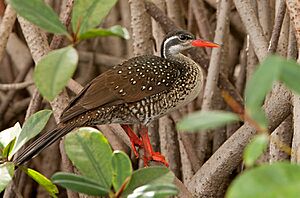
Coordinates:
9 96
67 167
214 65
141 28
175 13
15 86
100 59
277 27
187 143
6 27
221 164
280 140
292 46
167 24
183 191
65 17
250 21
264 17
17 108
204 27
169 144
294 7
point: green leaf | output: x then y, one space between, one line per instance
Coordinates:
255 149
40 14
290 75
259 85
112 31
150 175
267 181
31 128
42 180
79 183
90 152
53 72
7 173
122 169
155 191
89 14
7 150
202 120
9 134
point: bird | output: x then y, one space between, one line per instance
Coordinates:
137 91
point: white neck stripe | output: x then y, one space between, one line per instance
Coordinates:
167 41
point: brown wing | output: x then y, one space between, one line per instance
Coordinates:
128 82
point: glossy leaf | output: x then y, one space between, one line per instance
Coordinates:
7 150
90 152
53 72
267 181
255 149
89 14
7 135
7 173
202 120
122 169
40 14
150 175
154 191
290 75
79 183
113 31
41 180
259 85
31 128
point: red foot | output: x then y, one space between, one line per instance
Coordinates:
144 142
134 139
149 154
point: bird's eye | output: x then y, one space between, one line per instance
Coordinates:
183 37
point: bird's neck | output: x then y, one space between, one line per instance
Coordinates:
185 61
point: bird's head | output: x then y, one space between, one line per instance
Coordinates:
178 41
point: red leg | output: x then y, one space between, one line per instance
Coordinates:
149 154
134 139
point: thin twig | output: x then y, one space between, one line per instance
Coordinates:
253 27
6 26
15 86
277 27
11 93
65 17
227 158
214 65
201 19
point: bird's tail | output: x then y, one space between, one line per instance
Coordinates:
42 142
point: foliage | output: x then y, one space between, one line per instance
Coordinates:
55 69
275 180
121 169
13 139
267 181
31 128
255 148
101 169
53 72
42 180
202 120
6 172
47 19
88 14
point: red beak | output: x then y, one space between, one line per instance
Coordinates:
203 43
